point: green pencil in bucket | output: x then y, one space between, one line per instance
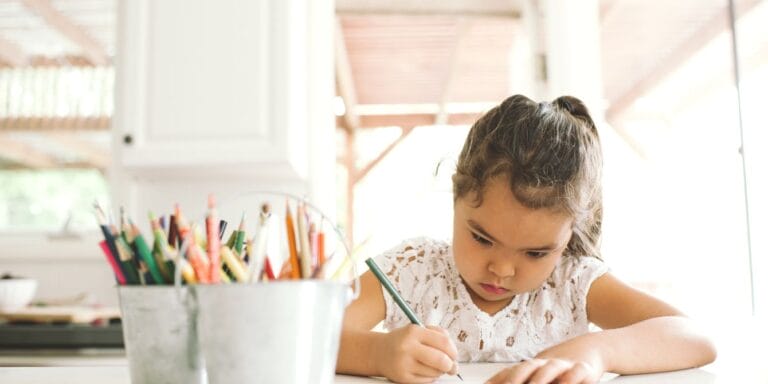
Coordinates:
396 296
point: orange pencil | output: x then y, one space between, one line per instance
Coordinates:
293 256
320 248
214 244
198 260
181 222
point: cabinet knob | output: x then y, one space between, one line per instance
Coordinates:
128 139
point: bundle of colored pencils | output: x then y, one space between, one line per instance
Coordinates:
202 257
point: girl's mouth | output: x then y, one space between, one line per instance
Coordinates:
493 289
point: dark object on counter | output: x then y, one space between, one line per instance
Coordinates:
23 336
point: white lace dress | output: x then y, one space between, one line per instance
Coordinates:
424 272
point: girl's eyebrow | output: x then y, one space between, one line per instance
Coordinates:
477 227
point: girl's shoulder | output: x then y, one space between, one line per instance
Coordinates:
576 273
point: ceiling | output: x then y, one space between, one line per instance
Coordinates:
399 62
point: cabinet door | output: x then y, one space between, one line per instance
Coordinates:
212 84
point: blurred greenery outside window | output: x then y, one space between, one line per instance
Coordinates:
50 200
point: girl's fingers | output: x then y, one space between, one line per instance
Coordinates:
434 358
580 373
424 370
548 372
440 339
420 379
517 374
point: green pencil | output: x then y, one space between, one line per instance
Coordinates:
146 254
396 295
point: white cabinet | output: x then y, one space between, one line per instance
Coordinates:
224 97
212 85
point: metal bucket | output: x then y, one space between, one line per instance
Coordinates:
278 332
159 331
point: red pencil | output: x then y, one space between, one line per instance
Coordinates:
112 262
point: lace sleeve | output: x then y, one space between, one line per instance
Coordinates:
585 270
405 266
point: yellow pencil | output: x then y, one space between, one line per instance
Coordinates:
234 264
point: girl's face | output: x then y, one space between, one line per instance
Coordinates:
502 248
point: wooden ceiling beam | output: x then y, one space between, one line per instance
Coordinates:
12 54
361 173
462 31
92 50
487 8
91 155
54 124
345 83
23 154
376 121
699 40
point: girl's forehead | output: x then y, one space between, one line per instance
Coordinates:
501 212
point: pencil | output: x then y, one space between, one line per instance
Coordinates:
112 262
109 239
214 242
159 247
256 252
142 249
127 261
222 228
234 264
291 232
240 237
396 296
305 253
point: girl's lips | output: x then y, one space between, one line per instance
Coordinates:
490 288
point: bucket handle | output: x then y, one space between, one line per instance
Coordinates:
356 287
177 271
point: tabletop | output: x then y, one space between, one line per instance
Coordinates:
472 373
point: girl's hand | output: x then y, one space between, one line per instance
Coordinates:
413 354
572 362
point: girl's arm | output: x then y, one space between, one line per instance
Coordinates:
357 343
641 334
409 354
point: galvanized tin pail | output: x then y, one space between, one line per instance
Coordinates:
159 331
278 332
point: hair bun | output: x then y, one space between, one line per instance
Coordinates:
575 107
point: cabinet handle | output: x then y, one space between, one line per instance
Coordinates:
128 139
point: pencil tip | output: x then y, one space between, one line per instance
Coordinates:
459 376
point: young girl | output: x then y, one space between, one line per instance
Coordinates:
523 278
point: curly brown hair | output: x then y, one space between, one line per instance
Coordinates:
550 153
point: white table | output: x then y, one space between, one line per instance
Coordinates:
472 373
741 359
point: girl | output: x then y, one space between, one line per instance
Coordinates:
523 278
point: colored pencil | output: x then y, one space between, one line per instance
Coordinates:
214 243
293 257
112 262
305 252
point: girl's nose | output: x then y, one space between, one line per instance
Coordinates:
502 268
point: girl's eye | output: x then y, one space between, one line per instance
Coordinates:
481 240
536 254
